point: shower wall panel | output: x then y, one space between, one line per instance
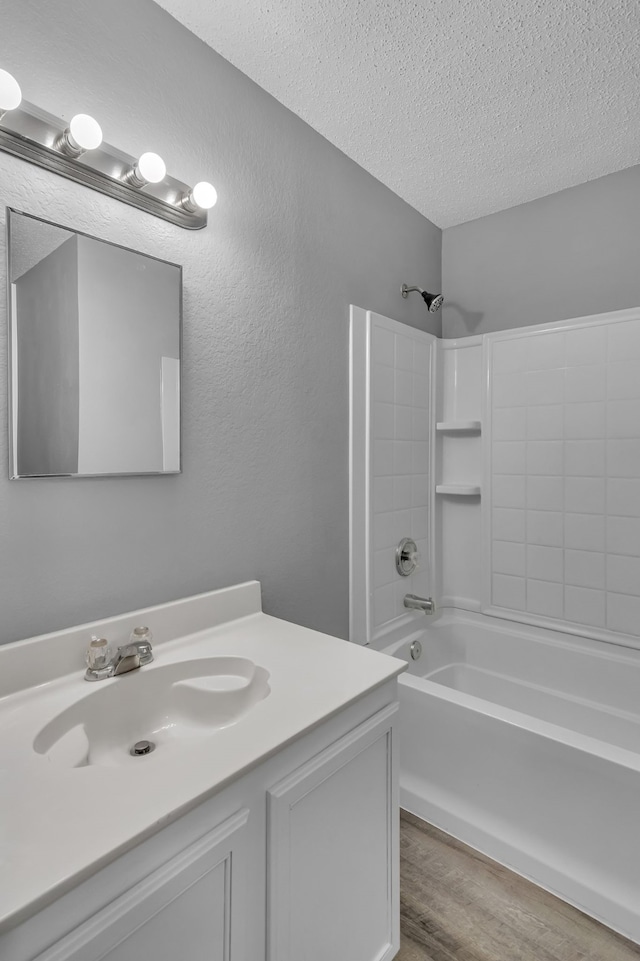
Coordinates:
392 464
562 475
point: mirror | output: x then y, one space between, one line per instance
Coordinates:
95 335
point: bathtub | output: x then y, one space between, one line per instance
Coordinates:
525 744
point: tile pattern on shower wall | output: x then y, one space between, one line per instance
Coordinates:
400 443
565 475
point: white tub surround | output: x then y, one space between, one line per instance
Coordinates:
329 703
533 755
535 465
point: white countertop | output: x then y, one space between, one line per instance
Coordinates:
49 813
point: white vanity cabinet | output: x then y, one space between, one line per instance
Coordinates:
296 860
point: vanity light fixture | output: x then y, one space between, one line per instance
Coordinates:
83 133
10 93
77 151
150 168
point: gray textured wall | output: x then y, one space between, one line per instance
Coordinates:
299 232
573 253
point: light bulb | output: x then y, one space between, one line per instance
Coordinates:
201 197
204 195
10 92
151 168
86 131
83 133
148 169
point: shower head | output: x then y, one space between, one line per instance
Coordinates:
433 301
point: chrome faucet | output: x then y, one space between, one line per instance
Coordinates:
128 657
415 603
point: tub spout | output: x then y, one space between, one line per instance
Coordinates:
415 603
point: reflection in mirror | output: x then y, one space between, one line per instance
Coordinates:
95 335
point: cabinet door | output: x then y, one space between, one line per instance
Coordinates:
181 911
333 852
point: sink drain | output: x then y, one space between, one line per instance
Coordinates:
140 748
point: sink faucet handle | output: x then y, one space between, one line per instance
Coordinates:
141 638
98 653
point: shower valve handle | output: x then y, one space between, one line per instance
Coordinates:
407 557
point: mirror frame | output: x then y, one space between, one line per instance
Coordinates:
12 373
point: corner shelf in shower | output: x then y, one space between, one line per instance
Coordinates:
451 426
459 490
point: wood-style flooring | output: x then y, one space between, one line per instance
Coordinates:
457 905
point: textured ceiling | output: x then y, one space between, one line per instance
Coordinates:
462 107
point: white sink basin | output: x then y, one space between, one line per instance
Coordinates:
168 706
